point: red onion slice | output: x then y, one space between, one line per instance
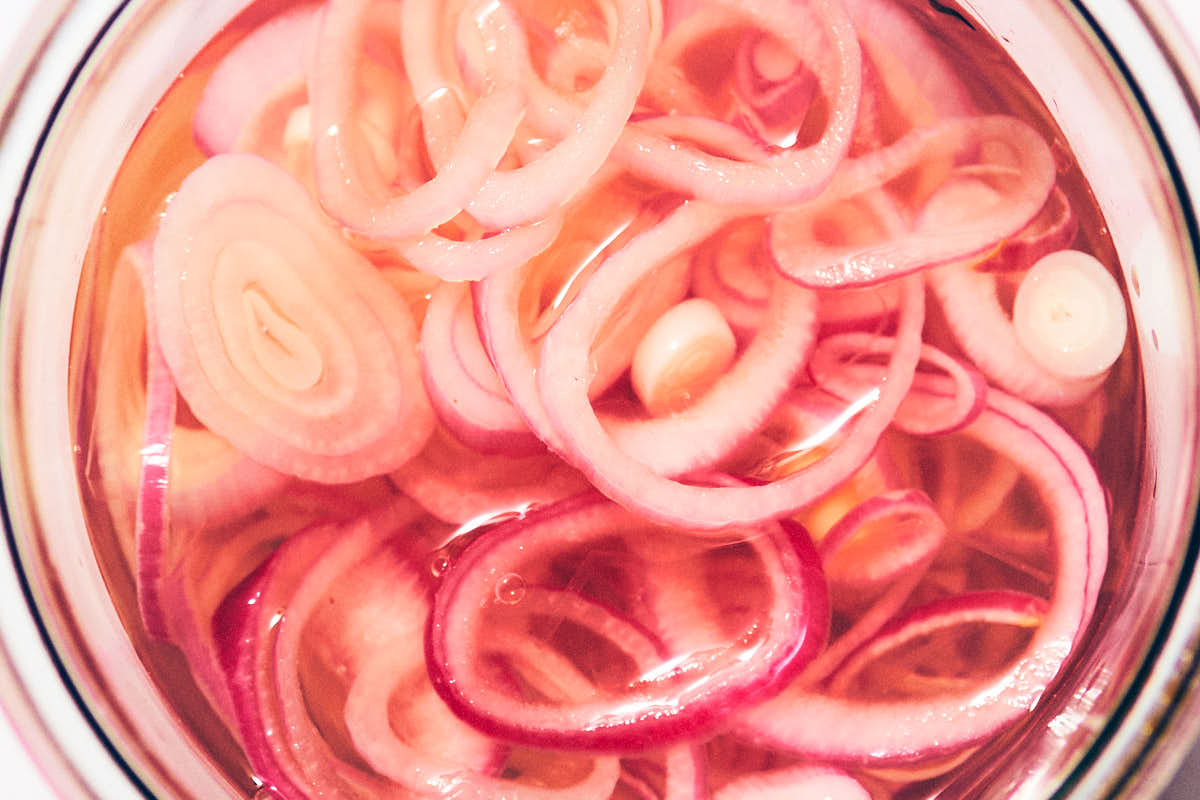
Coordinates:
209 483
790 176
1054 228
995 608
496 482
670 703
474 259
915 81
729 273
266 64
543 185
857 309
711 427
975 209
713 135
937 404
851 731
879 540
775 89
868 623
258 629
462 383
563 378
350 185
500 301
984 330
434 773
151 534
272 325
215 560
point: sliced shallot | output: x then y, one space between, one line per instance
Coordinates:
462 383
667 704
349 182
886 732
1069 315
280 337
976 208
985 331
562 380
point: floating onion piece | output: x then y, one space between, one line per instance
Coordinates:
681 355
1069 315
540 187
827 783
842 366
267 64
985 331
151 534
669 704
887 732
975 209
307 369
349 182
880 539
462 383
791 175
996 608
497 482
631 483
711 426
1054 228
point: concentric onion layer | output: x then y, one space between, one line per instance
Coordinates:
562 381
856 731
976 208
682 697
307 369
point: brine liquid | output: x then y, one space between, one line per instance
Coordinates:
998 529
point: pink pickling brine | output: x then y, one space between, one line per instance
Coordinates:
604 399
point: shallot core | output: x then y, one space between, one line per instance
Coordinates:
1069 315
682 354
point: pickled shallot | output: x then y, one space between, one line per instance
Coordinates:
608 400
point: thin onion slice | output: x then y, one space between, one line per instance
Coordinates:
790 176
976 208
1054 228
879 540
280 337
152 532
541 186
936 404
349 182
267 64
669 704
496 482
737 403
589 447
985 332
849 731
1005 607
462 383
210 483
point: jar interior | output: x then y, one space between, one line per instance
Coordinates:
83 588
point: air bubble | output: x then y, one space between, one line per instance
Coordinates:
510 589
439 562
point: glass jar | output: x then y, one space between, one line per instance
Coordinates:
1123 85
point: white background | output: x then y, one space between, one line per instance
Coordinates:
22 779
